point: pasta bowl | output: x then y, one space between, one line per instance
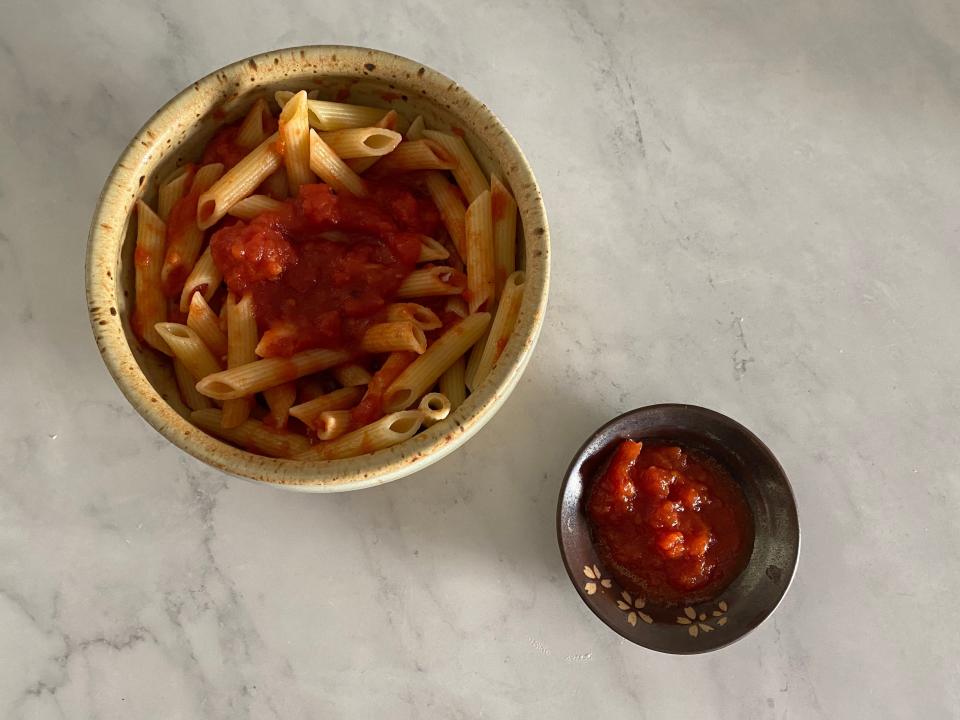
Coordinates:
176 134
752 596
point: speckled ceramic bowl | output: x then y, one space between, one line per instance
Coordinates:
176 133
750 598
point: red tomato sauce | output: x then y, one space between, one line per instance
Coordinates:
322 269
670 523
223 147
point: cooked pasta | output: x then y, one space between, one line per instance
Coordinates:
189 349
450 205
252 435
295 137
238 182
204 279
420 376
467 172
241 342
386 432
430 281
503 208
205 323
480 263
151 305
362 142
363 285
342 399
259 375
332 170
501 328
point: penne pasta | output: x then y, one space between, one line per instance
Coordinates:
274 338
295 140
332 424
431 250
452 384
501 328
370 408
188 388
250 207
172 189
503 209
252 435
341 399
378 435
253 129
467 172
238 182
412 155
421 316
423 372
326 270
241 341
400 336
313 386
454 261
326 115
276 186
415 131
481 285
351 375
205 278
262 374
450 205
473 359
205 323
332 170
189 349
279 400
435 407
456 305
151 304
387 122
362 142
184 236
430 281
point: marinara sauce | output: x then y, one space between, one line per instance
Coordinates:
323 268
670 523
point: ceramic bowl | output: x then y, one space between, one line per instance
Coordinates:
752 596
177 132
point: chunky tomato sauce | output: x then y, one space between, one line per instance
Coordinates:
671 524
322 269
223 147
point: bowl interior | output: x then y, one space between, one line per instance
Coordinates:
752 596
177 134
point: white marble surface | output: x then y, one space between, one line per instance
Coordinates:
754 208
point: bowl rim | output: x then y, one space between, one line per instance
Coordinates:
108 231
578 458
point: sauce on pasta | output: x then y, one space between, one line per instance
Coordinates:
322 269
671 523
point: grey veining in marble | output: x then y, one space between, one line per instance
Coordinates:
754 208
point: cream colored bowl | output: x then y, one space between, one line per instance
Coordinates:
179 130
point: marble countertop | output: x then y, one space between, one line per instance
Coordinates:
753 208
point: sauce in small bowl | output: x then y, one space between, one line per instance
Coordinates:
671 523
678 528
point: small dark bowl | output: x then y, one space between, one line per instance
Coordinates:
750 598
